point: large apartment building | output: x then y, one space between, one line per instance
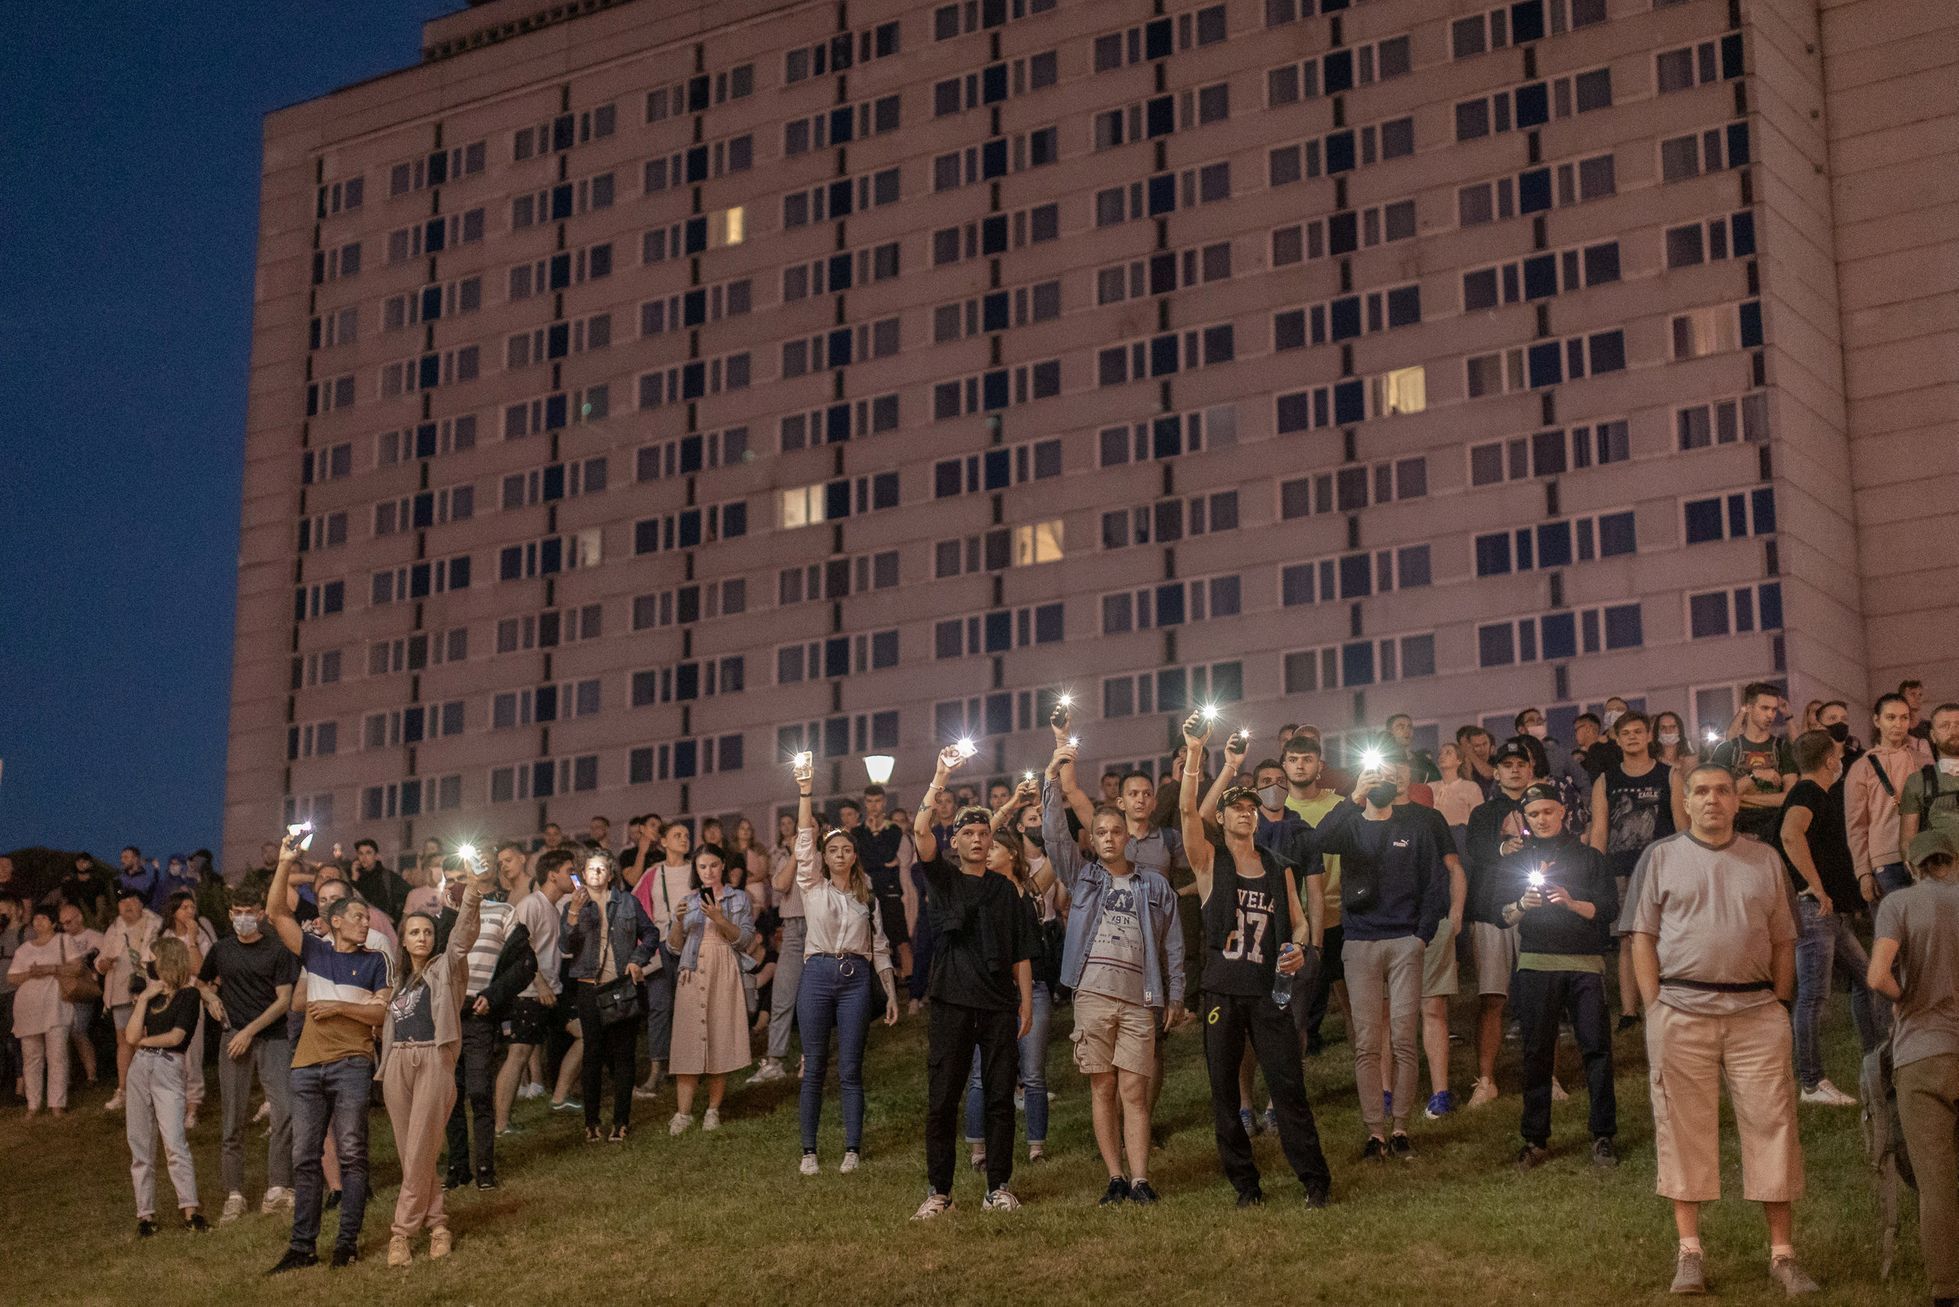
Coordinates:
644 390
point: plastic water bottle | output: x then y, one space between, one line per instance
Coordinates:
1281 982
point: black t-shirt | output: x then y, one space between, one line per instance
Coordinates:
1829 848
250 975
178 1012
1742 756
982 931
413 1013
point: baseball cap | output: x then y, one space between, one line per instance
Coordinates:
1543 790
1929 844
1511 749
1237 794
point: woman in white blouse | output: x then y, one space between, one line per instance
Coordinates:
844 943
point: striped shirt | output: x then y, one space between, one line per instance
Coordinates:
358 976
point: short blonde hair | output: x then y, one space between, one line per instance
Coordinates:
172 961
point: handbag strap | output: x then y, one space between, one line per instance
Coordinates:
605 938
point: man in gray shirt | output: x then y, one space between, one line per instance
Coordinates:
1714 949
1918 930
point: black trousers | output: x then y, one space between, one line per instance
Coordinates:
952 1032
613 1048
1310 1015
1539 998
1229 1021
476 1076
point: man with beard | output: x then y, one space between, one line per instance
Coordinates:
1930 799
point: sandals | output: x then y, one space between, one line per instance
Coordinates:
593 1135
618 1135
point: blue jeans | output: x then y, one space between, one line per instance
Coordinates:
1893 876
331 1092
834 993
1033 1076
1822 942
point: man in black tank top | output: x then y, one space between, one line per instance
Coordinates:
1255 933
1635 801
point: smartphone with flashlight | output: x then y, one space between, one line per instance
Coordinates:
302 828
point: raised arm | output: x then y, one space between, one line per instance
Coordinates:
1597 834
922 837
1197 844
1235 746
277 906
469 916
808 867
1064 855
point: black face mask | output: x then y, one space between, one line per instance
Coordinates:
1381 795
1839 731
1035 838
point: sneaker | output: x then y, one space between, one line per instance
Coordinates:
196 1223
511 1128
145 1228
1440 1104
1532 1156
1000 1200
809 1165
934 1205
398 1253
1116 1194
440 1242
1400 1147
486 1179
1482 1095
1689 1276
234 1207
455 1180
333 1196
1142 1193
264 1112
1785 1272
1317 1197
977 1158
1376 1149
569 1105
1826 1094
768 1073
1037 1152
1558 1095
295 1260
1020 1100
115 1102
1269 1119
190 1118
642 1092
1251 1198
344 1257
530 1091
277 1199
679 1124
1249 1122
1627 1021
850 1162
1604 1155
711 1120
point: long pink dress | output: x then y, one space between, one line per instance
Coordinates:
710 1016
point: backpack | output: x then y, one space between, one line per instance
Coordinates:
1884 1144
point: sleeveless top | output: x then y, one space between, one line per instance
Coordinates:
1245 923
1638 810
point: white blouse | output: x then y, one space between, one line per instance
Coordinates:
835 920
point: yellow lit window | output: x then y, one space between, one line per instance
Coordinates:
802 506
1037 542
1405 390
726 227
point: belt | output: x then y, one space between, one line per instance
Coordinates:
1719 986
841 957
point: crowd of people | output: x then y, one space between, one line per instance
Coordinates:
1706 889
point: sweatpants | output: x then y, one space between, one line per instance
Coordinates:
419 1087
1230 1020
154 1102
1385 973
782 996
952 1032
271 1060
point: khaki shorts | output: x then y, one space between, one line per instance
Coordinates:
1111 1035
1496 956
1688 1056
1439 963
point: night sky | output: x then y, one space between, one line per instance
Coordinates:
128 224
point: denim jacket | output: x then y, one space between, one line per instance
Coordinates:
633 936
1156 909
735 905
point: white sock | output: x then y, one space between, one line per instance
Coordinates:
1690 1244
1781 1250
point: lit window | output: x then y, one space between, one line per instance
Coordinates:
726 227
1404 390
802 506
1038 542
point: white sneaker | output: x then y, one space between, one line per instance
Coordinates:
115 1102
1558 1095
809 1166
190 1118
1001 1200
1828 1095
848 1164
264 1113
277 1199
712 1120
532 1090
934 1205
234 1207
679 1124
768 1073
1482 1095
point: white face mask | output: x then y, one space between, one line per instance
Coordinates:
1540 730
1612 715
244 923
1669 738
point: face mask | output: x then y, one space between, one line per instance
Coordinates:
1035 838
1272 796
1669 738
1380 796
1612 715
1540 730
244 923
1839 731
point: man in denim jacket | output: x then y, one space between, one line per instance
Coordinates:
1124 958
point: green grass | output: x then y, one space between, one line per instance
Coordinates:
725 1218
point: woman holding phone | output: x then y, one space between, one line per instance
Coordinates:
843 945
420 1042
714 924
160 1030
609 938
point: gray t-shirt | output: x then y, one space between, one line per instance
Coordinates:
1114 965
1717 913
1925 921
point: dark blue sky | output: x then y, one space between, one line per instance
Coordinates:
128 222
